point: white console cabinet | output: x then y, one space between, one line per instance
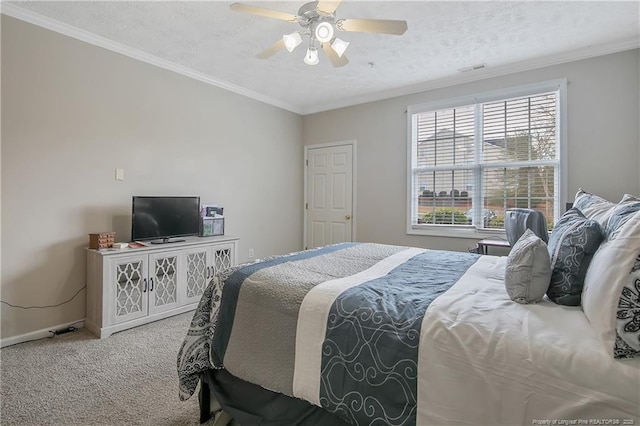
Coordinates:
134 286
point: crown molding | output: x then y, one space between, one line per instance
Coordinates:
94 39
489 72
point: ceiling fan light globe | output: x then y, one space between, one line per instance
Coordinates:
311 58
324 32
291 41
339 46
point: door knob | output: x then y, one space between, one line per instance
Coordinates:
348 217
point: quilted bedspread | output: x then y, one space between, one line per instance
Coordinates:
338 326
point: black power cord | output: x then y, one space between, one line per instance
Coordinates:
46 306
54 333
68 329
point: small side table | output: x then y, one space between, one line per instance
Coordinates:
483 245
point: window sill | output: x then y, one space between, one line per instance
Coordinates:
470 233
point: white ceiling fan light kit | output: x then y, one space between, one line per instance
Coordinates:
291 41
318 21
311 58
339 46
324 32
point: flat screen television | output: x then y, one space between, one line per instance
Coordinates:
162 219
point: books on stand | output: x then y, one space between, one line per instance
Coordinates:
136 244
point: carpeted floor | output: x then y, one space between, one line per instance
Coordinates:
76 379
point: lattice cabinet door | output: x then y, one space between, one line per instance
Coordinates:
197 274
128 287
223 257
164 279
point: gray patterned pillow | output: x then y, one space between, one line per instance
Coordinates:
573 242
593 206
620 215
528 269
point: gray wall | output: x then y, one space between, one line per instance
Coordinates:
72 113
603 147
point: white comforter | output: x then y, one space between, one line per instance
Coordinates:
484 359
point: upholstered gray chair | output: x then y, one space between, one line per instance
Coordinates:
518 220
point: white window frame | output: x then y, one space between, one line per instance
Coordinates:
559 85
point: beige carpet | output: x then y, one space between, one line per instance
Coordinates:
76 379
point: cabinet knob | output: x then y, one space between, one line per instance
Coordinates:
151 285
144 288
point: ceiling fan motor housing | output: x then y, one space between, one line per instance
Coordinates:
310 16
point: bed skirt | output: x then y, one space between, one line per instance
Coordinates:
251 404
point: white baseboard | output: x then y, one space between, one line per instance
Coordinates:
39 334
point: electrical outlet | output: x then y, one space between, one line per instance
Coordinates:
250 253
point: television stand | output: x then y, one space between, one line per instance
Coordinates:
134 286
166 241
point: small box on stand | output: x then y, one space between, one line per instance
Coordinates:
102 240
211 220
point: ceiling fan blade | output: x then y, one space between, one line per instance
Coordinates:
328 6
271 50
254 10
385 26
336 60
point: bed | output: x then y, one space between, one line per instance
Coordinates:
374 334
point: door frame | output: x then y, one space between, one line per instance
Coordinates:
353 143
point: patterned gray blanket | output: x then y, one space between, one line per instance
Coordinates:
337 326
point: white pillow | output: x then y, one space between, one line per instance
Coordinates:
609 271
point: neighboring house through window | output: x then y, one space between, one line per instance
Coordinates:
472 158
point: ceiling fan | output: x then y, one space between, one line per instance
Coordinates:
319 23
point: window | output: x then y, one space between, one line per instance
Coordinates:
472 158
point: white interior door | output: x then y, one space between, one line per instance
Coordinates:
329 205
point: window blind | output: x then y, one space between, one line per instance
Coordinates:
472 162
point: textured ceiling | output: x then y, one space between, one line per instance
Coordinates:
443 37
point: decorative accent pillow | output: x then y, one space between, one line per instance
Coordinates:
627 344
528 269
629 198
609 286
593 207
573 242
620 215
